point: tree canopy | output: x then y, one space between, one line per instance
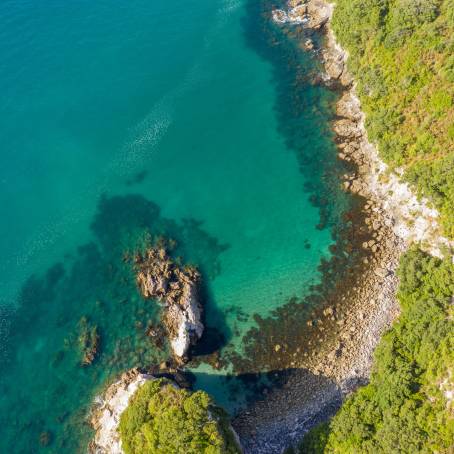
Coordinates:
164 419
401 53
408 405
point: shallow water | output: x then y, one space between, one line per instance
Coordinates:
125 120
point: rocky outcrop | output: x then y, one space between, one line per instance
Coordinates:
105 417
177 288
319 13
314 14
296 15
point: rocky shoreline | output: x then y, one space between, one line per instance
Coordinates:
108 408
106 413
349 326
392 218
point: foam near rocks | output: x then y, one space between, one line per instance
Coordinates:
296 15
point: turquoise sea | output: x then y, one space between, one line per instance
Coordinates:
194 120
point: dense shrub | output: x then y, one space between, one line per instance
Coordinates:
163 419
401 54
406 407
407 15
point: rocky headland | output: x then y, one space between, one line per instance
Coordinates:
108 408
389 219
106 413
177 288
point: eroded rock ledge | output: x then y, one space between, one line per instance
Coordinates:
177 288
108 409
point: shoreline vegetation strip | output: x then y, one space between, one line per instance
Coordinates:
400 55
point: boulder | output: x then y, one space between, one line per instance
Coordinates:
334 64
347 107
319 13
347 129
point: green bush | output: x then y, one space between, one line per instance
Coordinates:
315 441
406 16
404 408
401 54
163 419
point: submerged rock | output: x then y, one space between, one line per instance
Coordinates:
45 438
88 340
158 276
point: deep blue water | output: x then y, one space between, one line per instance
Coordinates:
120 120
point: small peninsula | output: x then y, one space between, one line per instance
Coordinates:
143 414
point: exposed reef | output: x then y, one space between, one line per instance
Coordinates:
89 340
177 288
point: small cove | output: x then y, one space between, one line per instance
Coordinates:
203 128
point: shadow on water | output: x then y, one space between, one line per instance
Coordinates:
272 403
45 391
303 107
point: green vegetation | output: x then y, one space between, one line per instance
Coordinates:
163 419
407 406
401 53
402 57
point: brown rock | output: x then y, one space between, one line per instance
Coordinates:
334 65
319 13
347 107
381 272
346 128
